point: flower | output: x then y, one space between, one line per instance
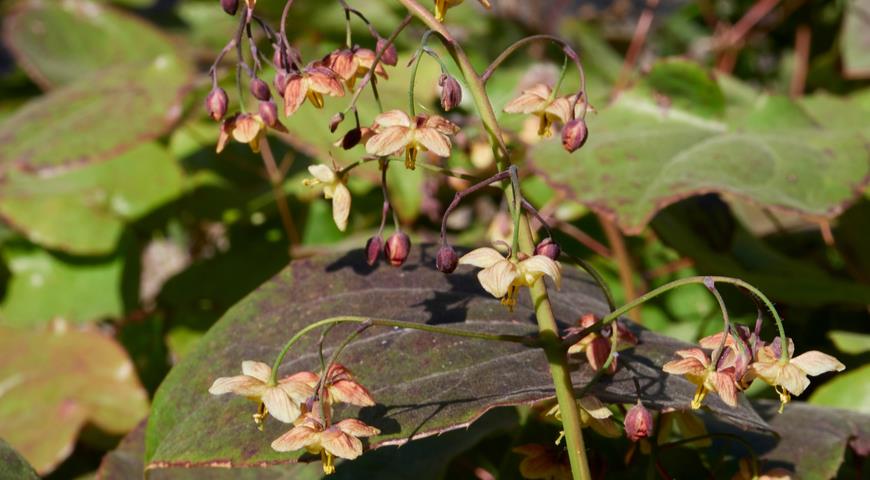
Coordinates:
312 83
789 375
441 7
281 400
335 188
537 101
746 473
597 345
638 422
740 350
396 131
593 414
697 368
340 386
353 63
543 462
244 128
338 440
502 277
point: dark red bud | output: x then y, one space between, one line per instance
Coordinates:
574 134
638 423
373 249
216 103
260 90
446 259
451 92
390 55
548 248
335 121
269 113
230 6
397 248
351 138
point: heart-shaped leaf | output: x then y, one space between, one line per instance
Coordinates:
83 211
56 382
424 384
60 42
648 151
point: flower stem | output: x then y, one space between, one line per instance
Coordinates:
383 322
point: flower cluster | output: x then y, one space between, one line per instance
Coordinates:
305 400
746 357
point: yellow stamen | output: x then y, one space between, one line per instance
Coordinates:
560 437
784 396
328 462
315 98
700 393
260 416
411 158
510 298
544 126
440 10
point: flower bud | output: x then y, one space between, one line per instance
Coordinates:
574 134
373 249
260 90
390 56
638 423
548 248
216 103
269 113
451 92
281 79
230 6
351 138
397 248
446 259
335 121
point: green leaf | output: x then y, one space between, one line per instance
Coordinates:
686 86
849 390
424 384
56 382
84 211
60 42
46 285
855 39
852 343
646 153
13 466
118 107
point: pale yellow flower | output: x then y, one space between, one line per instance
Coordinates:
396 131
338 440
281 400
243 128
789 376
695 365
441 7
746 473
502 277
593 414
335 188
536 101
340 386
543 462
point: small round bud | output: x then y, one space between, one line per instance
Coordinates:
446 259
638 423
373 249
574 134
397 248
351 138
230 6
260 90
281 79
548 248
390 56
335 121
451 92
269 113
216 103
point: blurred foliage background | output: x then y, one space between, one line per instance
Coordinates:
124 237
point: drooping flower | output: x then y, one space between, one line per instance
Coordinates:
441 7
395 131
593 414
536 101
281 400
597 345
740 350
502 277
353 63
789 376
312 83
335 188
341 439
340 386
243 128
543 462
696 366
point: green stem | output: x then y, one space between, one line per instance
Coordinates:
383 322
557 355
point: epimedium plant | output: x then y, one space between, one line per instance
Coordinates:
725 364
